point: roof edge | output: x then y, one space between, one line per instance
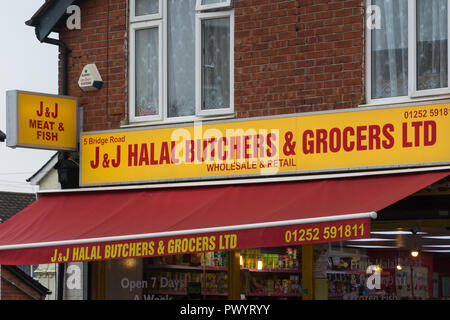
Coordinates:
41 172
28 280
47 17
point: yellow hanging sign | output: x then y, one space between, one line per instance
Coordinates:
41 121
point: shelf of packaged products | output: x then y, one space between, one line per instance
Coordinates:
273 294
186 267
184 293
349 296
383 273
212 268
276 270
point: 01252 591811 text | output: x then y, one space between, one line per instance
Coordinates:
326 233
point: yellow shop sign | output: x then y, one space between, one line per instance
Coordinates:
340 140
41 121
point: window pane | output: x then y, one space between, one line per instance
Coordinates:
181 58
432 37
212 1
144 7
215 63
147 72
389 52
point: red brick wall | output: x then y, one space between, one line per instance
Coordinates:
102 40
297 56
290 56
12 292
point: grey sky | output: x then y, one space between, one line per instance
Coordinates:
25 64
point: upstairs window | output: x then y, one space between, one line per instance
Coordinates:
212 4
181 60
408 51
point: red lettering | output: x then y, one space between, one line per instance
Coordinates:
189 157
212 143
221 144
46 136
235 144
406 143
132 154
143 158
348 131
165 155
116 162
173 155
153 161
387 129
417 125
374 137
335 140
271 148
321 140
430 136
247 147
308 142
258 145
360 137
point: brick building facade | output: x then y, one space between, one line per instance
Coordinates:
290 57
265 58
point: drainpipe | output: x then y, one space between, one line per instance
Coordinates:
64 155
64 54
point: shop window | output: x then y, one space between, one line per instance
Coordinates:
181 60
264 273
187 276
407 51
271 273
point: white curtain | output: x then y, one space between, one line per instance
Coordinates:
432 37
212 1
181 61
144 7
389 70
146 72
181 57
389 50
215 63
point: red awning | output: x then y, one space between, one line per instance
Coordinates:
85 226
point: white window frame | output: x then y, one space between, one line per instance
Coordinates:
412 54
413 93
160 20
198 62
199 6
132 79
152 16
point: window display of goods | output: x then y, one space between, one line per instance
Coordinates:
214 259
214 282
251 257
273 285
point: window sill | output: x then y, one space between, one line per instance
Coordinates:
406 101
179 120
